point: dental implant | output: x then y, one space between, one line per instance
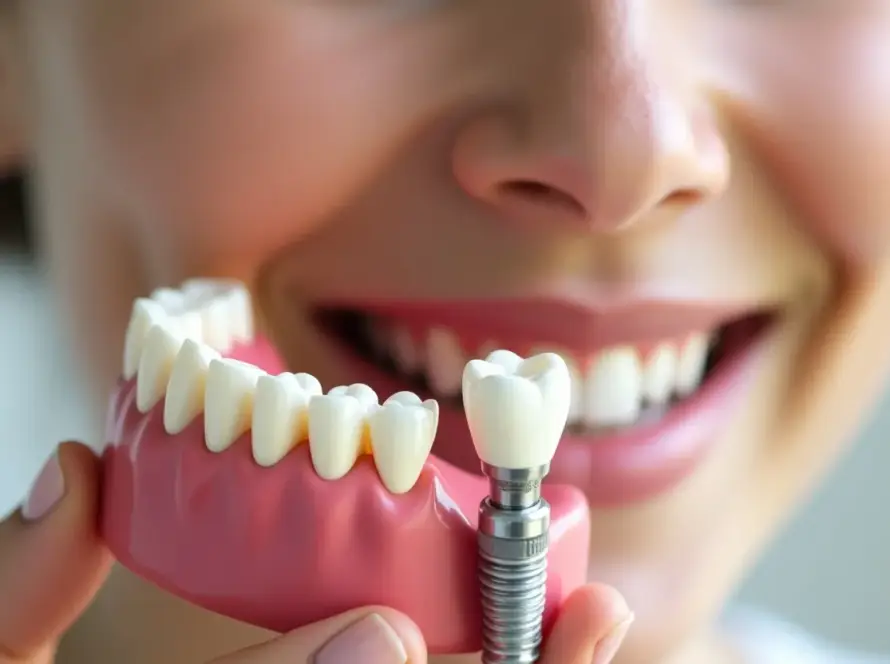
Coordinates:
516 410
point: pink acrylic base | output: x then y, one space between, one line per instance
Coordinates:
281 548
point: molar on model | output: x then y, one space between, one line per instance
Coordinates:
337 423
402 434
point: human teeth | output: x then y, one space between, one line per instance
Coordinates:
516 409
445 360
692 363
659 375
402 433
228 402
336 428
613 389
146 314
280 414
158 354
404 351
185 390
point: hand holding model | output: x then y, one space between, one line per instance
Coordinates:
52 561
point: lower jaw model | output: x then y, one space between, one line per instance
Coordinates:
250 492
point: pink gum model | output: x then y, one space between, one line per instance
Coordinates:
280 547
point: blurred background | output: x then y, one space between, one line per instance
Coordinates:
829 572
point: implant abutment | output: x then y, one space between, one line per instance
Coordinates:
515 488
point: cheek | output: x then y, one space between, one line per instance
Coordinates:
237 143
818 117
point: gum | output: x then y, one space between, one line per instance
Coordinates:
281 548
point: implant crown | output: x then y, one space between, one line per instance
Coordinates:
516 408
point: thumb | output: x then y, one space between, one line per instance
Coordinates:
590 627
52 559
372 635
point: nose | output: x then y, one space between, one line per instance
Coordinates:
599 133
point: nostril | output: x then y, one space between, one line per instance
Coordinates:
539 194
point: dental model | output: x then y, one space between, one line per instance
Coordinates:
517 411
253 492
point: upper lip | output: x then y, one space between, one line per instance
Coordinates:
566 323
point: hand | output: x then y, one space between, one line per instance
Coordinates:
52 561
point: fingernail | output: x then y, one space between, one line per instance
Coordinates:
370 640
607 648
47 490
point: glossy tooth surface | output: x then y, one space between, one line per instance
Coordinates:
576 408
185 390
146 314
241 312
280 415
444 362
216 321
660 375
691 365
158 354
402 434
613 389
517 409
228 402
336 428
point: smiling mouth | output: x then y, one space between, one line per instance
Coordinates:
615 387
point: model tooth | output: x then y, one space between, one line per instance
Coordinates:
241 315
402 434
155 366
336 427
517 409
228 402
146 314
172 300
217 325
280 415
188 380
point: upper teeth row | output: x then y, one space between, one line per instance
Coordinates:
612 388
173 348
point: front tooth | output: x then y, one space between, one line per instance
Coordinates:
217 327
402 434
228 402
336 426
155 366
188 380
146 314
691 365
660 375
280 415
517 409
444 362
404 351
613 389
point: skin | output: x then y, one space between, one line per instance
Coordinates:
723 150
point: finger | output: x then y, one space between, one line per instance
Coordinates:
590 627
364 636
52 559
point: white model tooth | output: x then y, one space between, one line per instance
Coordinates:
404 351
402 434
613 390
188 380
336 427
228 402
172 300
216 319
660 375
146 314
517 409
280 415
691 366
576 409
240 308
444 362
155 366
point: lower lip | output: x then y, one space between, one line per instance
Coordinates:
626 466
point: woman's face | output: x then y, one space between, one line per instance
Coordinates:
617 180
